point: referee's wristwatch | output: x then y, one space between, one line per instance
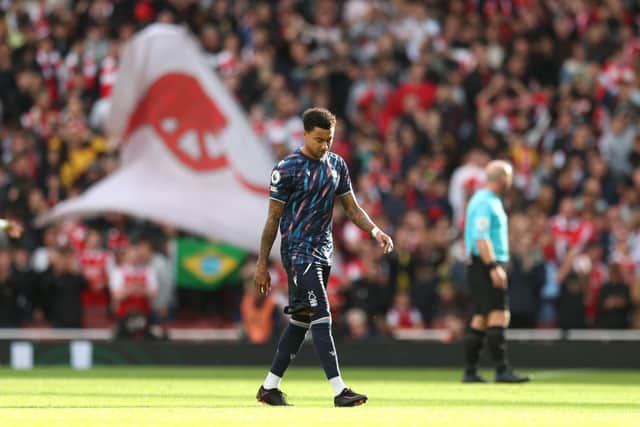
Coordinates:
492 265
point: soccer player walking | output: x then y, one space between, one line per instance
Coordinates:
303 188
486 238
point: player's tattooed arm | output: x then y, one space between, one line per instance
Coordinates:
355 213
262 281
360 218
270 230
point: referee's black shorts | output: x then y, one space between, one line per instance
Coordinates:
484 295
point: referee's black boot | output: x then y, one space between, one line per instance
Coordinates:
349 397
472 377
510 376
273 397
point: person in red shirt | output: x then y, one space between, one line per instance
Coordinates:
76 233
133 287
568 229
402 315
414 85
94 262
109 71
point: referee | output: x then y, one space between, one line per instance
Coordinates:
486 239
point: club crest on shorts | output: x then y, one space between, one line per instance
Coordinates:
313 300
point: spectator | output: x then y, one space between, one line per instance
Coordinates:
41 257
450 311
62 288
356 325
465 179
370 293
9 316
133 287
573 283
164 301
617 144
526 279
27 282
402 315
94 264
614 301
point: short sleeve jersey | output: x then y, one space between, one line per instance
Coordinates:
308 188
486 219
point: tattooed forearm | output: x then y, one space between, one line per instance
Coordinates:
360 218
355 213
270 230
268 236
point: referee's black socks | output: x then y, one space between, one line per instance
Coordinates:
497 347
473 343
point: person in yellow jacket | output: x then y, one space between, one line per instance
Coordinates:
83 149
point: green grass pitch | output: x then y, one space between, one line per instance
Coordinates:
189 397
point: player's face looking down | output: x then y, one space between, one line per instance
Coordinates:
317 142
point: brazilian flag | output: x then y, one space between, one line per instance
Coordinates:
206 265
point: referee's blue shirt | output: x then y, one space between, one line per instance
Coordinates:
486 219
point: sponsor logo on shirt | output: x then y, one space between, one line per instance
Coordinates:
275 177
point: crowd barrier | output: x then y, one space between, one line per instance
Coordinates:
84 348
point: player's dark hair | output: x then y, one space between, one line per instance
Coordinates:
318 118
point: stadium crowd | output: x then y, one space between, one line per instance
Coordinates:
426 92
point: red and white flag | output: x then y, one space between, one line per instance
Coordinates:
189 156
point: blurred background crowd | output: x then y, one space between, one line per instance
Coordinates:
426 93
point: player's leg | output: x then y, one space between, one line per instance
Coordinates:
496 340
473 344
479 282
497 322
288 346
314 282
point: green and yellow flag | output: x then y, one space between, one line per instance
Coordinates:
206 265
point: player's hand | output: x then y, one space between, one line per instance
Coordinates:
498 277
385 242
262 280
14 229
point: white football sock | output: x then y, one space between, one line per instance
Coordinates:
272 381
337 384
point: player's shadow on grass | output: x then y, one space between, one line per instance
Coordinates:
140 395
208 397
147 373
167 405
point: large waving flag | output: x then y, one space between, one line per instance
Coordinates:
189 156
